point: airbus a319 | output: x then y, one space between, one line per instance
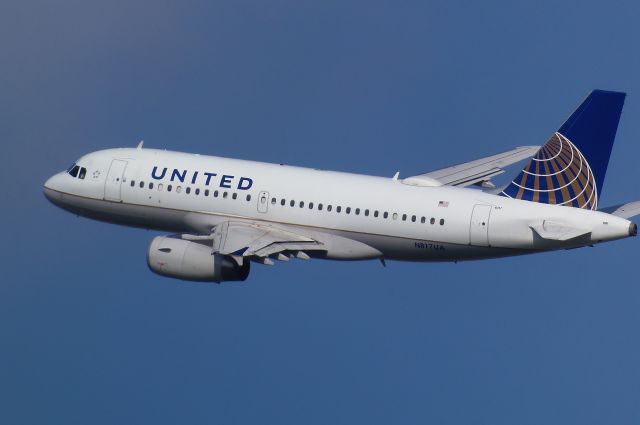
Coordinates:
224 214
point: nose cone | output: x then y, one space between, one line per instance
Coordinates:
52 189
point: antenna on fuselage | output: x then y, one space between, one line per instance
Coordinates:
139 147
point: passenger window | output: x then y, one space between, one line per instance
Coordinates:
197 191
188 190
133 183
215 193
141 185
292 203
404 217
338 208
413 218
422 220
385 215
319 207
150 185
169 188
375 213
178 189
329 208
206 192
248 198
225 194
348 210
357 211
74 171
234 195
442 222
159 187
310 205
432 221
83 172
366 213
273 201
301 204
395 216
282 202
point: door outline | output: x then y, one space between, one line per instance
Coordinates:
113 182
263 201
479 225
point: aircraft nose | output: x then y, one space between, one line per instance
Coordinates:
51 189
633 229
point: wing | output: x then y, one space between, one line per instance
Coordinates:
475 172
258 242
625 211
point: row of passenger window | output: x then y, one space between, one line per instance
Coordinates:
292 203
356 211
188 190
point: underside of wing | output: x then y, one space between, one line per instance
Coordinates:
258 242
477 172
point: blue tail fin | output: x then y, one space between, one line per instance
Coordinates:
570 168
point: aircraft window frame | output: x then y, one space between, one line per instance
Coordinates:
234 195
283 202
74 171
133 183
141 184
394 216
329 207
225 194
375 213
292 203
357 211
188 190
385 214
319 207
301 204
197 191
432 221
248 197
82 173
206 192
169 188
442 222
274 201
404 217
215 193
347 210
310 205
366 213
160 186
178 189
338 208
71 167
413 218
423 219
150 185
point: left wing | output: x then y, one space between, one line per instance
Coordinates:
478 171
258 242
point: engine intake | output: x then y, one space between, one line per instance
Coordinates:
180 259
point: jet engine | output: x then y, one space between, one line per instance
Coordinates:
181 259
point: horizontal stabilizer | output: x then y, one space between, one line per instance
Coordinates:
557 231
627 211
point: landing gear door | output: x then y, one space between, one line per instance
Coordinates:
479 227
113 184
263 202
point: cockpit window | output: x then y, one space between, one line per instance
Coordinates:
83 172
74 171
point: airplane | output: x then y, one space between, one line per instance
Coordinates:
225 214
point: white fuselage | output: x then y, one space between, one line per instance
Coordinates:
354 216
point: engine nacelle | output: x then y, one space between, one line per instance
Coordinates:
187 260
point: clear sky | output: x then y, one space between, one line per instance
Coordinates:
88 335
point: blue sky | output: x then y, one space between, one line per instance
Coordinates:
89 335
